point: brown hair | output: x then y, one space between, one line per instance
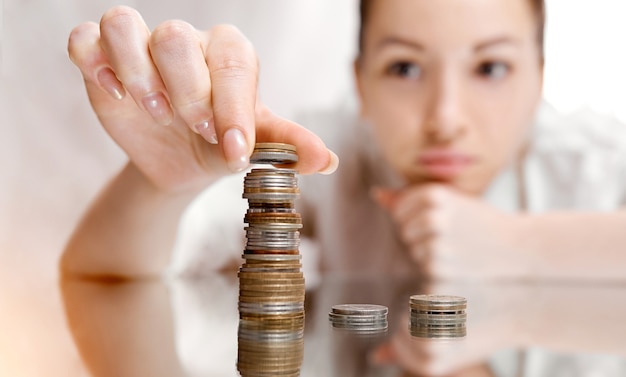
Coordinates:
538 6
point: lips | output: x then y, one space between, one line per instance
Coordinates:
444 164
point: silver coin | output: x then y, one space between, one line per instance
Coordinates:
263 157
361 328
271 171
359 309
438 300
355 319
264 181
277 197
271 210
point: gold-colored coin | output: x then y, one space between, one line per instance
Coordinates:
276 146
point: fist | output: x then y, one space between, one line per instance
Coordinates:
452 235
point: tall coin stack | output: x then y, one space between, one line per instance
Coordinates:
271 282
437 316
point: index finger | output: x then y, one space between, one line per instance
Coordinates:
234 71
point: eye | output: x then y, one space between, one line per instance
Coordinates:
405 70
493 70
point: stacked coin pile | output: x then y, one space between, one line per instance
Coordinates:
269 351
437 316
359 318
271 283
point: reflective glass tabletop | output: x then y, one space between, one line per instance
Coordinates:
193 328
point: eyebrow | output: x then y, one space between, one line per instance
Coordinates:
395 40
496 41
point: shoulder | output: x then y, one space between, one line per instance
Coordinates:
583 131
576 160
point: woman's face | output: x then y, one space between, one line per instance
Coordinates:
450 86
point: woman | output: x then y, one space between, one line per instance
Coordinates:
448 90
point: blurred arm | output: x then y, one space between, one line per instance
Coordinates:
122 329
128 231
576 245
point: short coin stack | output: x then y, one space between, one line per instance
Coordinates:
359 318
271 283
437 316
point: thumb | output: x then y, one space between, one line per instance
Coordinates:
383 355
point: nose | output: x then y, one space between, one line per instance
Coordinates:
445 118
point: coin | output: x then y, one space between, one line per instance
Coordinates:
438 300
359 309
274 154
359 318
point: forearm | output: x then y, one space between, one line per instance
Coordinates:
576 318
574 245
127 232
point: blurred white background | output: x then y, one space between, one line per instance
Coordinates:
54 157
586 56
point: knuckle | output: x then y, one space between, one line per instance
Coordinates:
118 17
438 194
233 67
433 221
434 195
78 36
176 31
236 53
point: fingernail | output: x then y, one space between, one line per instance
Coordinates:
109 82
332 165
157 106
236 150
207 130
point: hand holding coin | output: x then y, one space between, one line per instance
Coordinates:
181 102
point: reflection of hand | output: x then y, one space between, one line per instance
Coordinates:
197 82
495 321
432 359
424 357
453 235
564 318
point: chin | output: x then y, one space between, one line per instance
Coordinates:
466 183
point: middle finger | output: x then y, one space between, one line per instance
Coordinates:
124 38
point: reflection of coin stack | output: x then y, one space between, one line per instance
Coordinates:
366 319
271 283
435 316
269 352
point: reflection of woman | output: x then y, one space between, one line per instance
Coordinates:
448 91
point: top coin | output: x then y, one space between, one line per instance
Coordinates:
359 309
437 300
275 146
274 153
